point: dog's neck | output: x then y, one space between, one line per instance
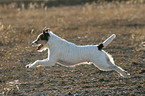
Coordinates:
55 41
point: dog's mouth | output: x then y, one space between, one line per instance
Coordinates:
39 46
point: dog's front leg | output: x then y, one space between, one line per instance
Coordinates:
44 62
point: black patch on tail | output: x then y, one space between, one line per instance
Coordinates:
100 46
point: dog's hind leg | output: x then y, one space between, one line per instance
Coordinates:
112 66
119 70
106 63
104 66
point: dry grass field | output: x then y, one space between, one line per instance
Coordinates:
82 25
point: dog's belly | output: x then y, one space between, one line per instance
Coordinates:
71 61
67 63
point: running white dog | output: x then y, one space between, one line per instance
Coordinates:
69 54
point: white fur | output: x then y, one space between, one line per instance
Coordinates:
69 54
108 40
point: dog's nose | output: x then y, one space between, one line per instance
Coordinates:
32 43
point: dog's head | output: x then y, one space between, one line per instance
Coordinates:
42 40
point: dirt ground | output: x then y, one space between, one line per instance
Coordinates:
82 25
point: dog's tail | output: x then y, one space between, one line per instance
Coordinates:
106 42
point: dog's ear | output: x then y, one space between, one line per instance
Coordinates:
47 29
45 32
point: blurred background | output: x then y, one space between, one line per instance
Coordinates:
37 4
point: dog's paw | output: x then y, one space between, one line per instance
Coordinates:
125 74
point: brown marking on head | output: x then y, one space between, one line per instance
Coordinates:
45 34
42 39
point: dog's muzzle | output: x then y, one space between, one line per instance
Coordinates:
39 46
34 44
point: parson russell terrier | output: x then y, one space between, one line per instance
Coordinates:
70 55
